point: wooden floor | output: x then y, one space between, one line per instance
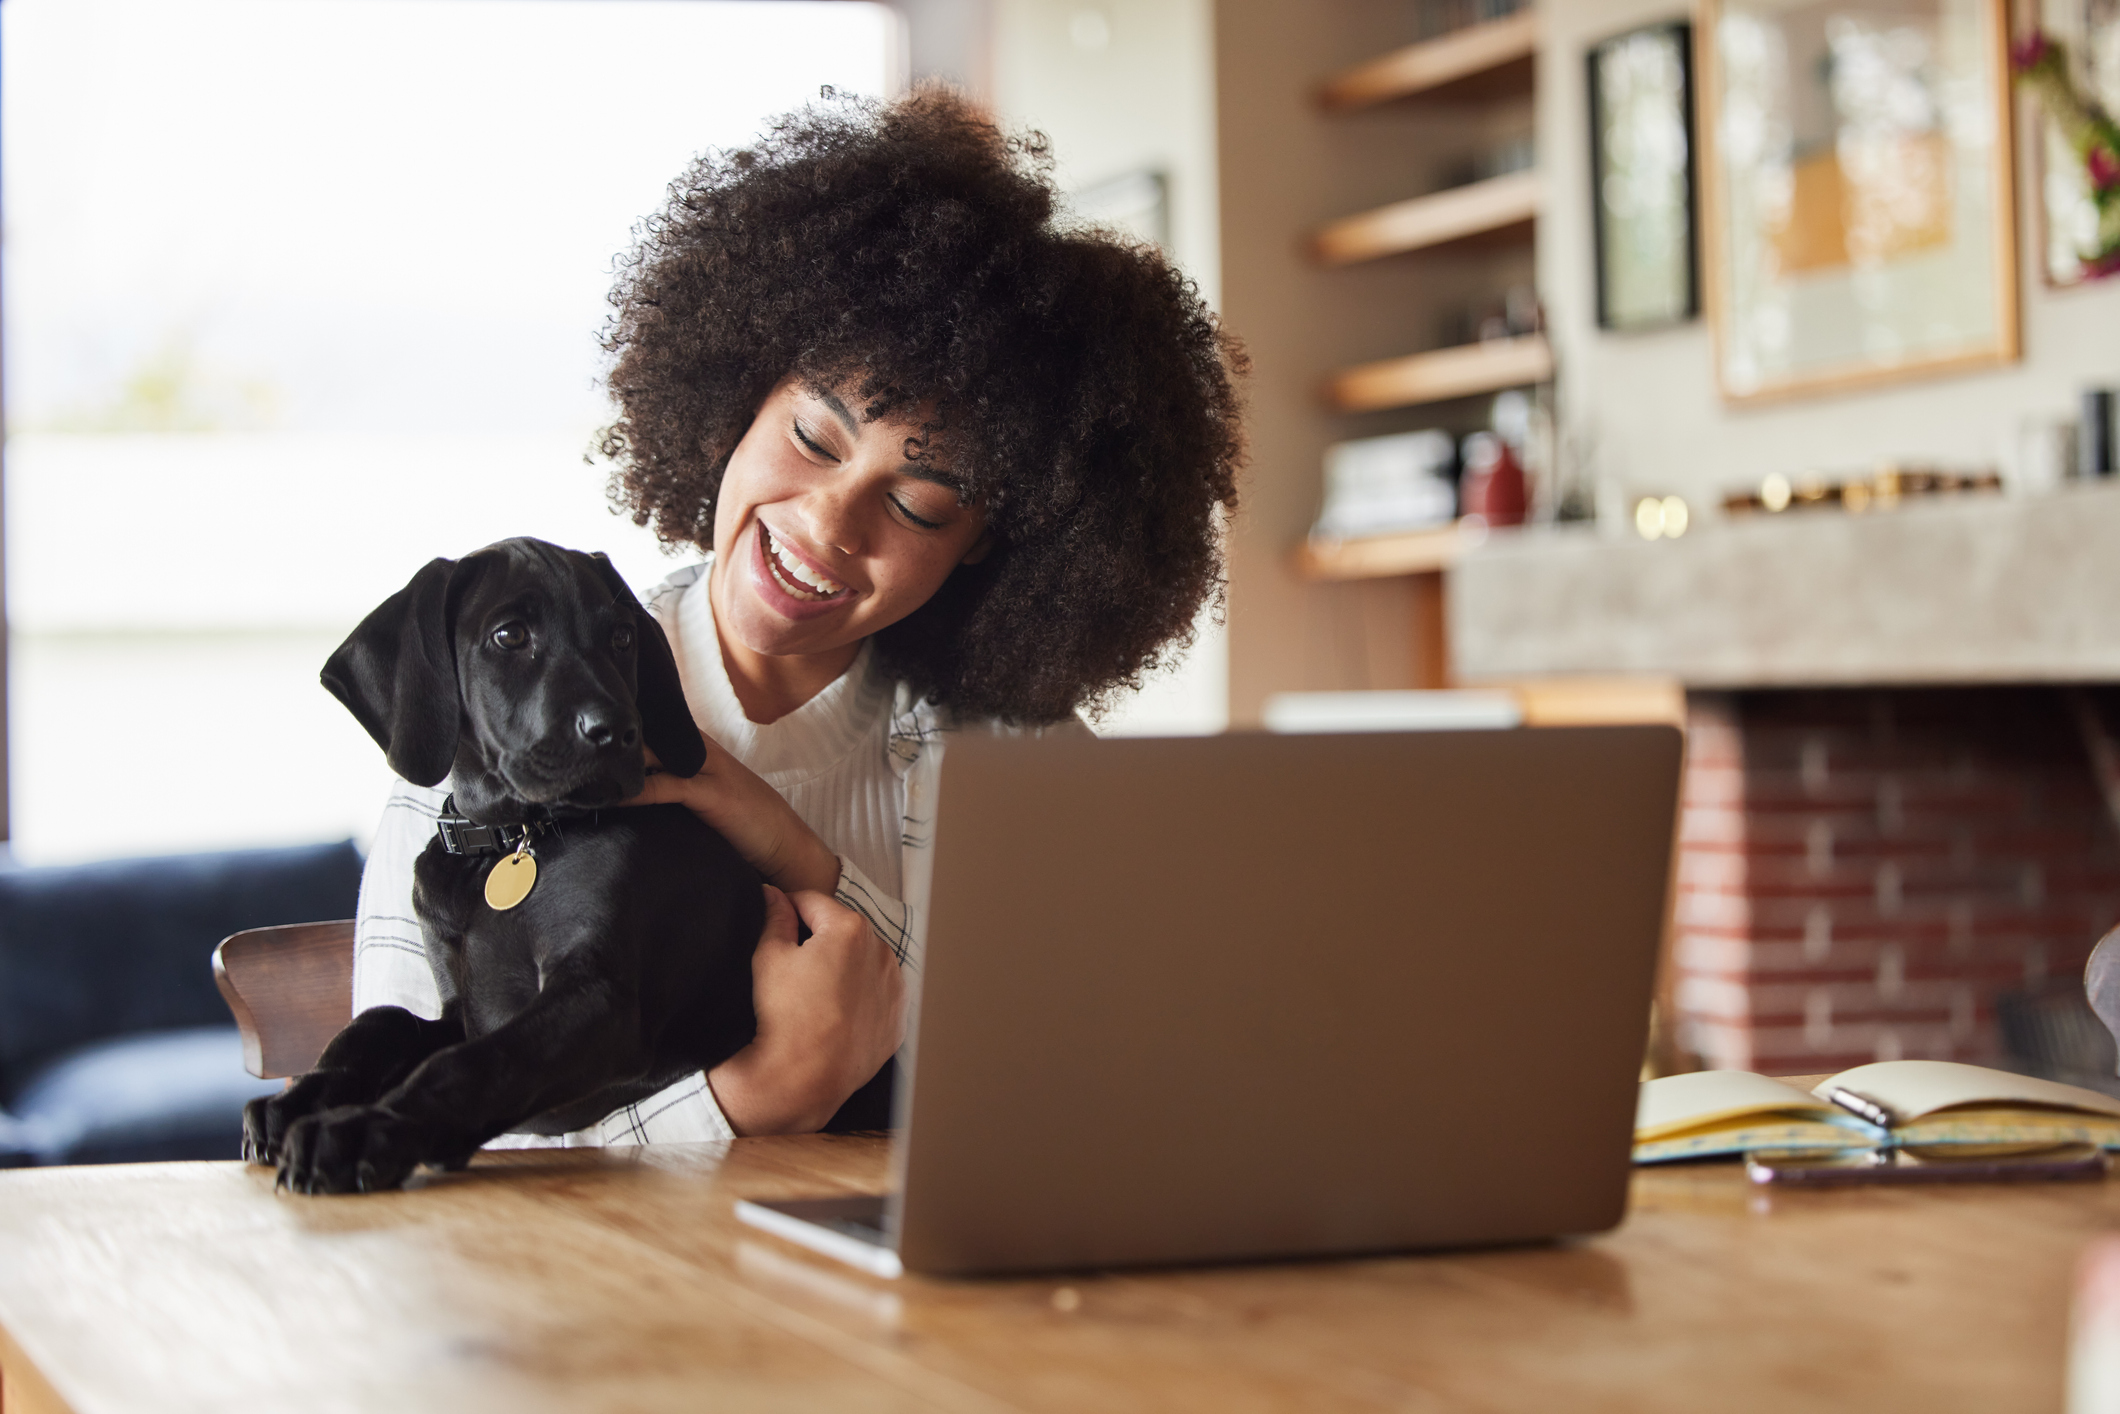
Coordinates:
592 1280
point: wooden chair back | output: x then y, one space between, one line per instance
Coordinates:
291 989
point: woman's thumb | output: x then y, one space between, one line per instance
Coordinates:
781 922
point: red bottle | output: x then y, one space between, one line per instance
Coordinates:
1493 488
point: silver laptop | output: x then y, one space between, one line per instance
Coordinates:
1259 996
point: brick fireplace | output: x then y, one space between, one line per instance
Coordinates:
1864 873
1885 851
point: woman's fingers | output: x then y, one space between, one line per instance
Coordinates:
780 929
660 790
819 911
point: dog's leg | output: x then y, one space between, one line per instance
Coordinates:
372 1056
581 1034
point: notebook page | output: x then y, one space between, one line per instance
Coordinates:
1681 1102
1910 1089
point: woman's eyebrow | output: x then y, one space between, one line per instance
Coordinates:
840 411
921 471
935 476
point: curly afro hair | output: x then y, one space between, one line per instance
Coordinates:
1073 384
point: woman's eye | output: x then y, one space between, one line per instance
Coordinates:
915 517
510 636
621 638
811 444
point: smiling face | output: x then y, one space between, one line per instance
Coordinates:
824 533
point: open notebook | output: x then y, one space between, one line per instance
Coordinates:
1916 1104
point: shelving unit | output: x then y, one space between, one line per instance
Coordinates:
1482 62
1499 210
1477 68
1461 372
1352 231
1485 63
1377 556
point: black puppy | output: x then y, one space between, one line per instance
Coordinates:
530 676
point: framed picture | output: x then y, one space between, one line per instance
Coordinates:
1860 203
1135 204
2071 239
1642 178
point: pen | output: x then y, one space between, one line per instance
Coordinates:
1861 1106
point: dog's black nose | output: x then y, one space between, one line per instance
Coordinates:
600 730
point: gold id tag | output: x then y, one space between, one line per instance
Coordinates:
511 880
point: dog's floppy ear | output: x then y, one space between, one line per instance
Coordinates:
397 675
665 721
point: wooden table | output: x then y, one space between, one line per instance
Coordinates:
585 1280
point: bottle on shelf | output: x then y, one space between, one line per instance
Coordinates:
1493 490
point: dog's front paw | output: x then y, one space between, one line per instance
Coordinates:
258 1147
267 1119
353 1149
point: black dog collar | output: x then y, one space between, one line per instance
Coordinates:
462 836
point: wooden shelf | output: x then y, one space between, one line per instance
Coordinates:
1498 209
1459 372
1484 61
1381 556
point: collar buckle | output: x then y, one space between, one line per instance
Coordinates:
460 835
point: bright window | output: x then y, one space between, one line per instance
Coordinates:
299 295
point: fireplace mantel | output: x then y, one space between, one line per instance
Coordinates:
1972 589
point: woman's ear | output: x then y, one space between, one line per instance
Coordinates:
981 548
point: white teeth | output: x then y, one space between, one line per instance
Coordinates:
802 572
796 576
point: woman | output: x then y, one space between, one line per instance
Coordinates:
956 466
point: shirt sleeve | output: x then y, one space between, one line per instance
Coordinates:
890 917
390 966
682 1113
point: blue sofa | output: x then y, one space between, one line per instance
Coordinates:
115 1046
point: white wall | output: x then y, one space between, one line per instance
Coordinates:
1143 98
1122 86
1644 406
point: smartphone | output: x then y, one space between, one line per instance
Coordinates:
1789 1166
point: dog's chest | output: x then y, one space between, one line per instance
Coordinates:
496 960
648 903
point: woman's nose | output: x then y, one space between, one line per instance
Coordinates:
833 512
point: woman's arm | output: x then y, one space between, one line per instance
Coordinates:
831 1009
390 966
751 815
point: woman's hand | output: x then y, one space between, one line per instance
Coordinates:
751 815
831 1011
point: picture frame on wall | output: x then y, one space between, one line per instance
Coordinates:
1643 178
2069 218
1860 197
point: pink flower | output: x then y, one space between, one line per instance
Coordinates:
2030 50
2103 166
2102 266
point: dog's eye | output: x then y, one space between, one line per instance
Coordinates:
621 638
510 636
